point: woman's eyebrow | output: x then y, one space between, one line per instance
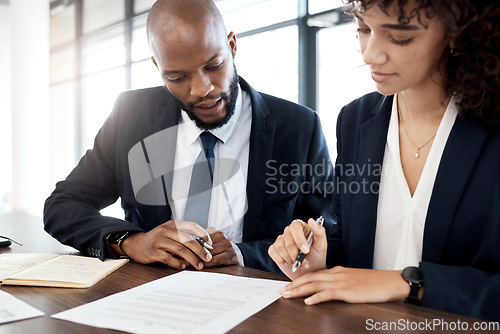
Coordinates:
400 26
404 27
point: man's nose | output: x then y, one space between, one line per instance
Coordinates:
201 85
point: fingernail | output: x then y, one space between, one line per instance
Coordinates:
308 301
200 266
183 266
304 248
209 257
286 293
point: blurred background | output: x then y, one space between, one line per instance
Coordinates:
64 62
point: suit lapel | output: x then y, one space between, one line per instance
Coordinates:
167 116
262 138
372 141
461 152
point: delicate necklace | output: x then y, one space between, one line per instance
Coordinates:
417 154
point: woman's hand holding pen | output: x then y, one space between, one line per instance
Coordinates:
286 248
173 243
319 284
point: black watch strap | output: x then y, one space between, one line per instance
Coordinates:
121 238
413 296
118 238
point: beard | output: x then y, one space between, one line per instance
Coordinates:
230 96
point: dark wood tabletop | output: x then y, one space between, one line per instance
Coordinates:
283 316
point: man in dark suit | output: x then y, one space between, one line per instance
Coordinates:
273 151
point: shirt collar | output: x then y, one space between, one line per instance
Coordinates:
223 133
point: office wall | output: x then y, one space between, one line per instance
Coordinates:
29 52
5 110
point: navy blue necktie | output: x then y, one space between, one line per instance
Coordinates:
200 188
209 140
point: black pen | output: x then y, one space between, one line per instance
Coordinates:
301 256
201 241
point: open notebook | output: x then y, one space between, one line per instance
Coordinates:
53 270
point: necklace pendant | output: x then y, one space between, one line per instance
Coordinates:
417 155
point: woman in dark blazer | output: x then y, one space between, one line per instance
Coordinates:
417 193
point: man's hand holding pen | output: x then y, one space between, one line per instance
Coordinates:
223 252
180 244
285 249
175 243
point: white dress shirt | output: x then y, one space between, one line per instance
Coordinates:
401 217
228 201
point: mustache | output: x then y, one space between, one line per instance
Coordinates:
222 95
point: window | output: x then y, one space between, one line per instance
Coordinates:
256 62
103 78
145 74
62 68
99 92
62 65
342 76
244 15
99 14
63 126
140 47
141 6
317 6
103 52
62 25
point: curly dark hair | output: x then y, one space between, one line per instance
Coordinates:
471 69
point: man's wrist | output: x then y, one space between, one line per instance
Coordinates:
115 241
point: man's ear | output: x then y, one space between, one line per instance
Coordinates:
231 41
154 62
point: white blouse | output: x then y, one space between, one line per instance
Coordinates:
401 217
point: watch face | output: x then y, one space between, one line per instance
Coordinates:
413 274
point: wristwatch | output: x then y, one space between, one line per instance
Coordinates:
414 277
118 238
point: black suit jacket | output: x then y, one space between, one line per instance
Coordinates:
283 135
461 247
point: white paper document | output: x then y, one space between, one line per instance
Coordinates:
13 309
186 302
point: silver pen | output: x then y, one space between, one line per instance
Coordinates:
301 256
201 241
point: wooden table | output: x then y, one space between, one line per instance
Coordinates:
283 316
